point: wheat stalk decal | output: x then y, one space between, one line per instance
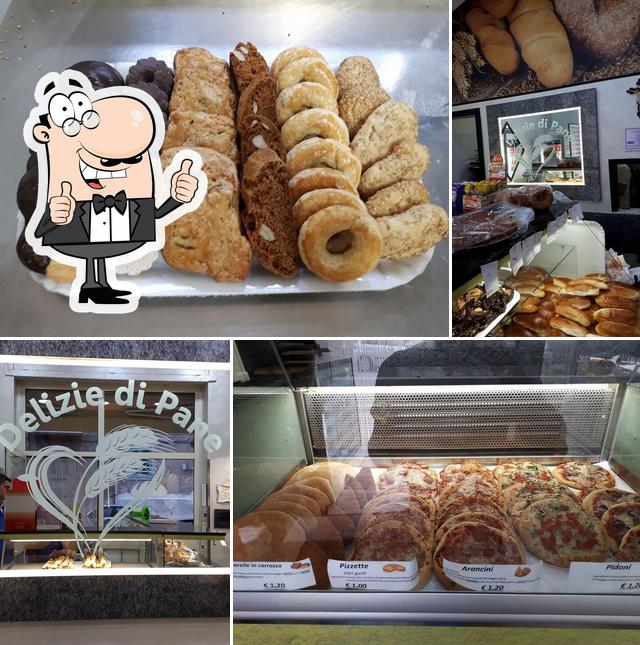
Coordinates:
117 459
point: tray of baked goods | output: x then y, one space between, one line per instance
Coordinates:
587 306
314 177
520 513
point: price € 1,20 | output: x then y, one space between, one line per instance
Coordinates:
275 585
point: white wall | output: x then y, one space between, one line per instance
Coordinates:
616 111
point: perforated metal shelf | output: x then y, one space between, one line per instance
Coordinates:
461 418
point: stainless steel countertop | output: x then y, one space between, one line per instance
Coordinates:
409 38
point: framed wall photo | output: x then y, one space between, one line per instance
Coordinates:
631 139
543 147
542 139
498 47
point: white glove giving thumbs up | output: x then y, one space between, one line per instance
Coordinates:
61 208
184 185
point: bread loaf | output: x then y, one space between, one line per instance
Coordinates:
543 41
569 327
496 43
610 328
611 300
615 315
567 311
534 322
498 8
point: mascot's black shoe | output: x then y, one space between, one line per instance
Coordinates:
117 292
101 296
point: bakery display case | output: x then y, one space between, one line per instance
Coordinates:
437 481
32 552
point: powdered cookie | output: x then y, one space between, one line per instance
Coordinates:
412 232
386 126
406 161
397 198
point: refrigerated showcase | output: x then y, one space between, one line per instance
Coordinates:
373 404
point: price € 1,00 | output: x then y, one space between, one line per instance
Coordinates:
275 585
356 585
630 586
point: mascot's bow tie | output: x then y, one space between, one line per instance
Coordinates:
119 201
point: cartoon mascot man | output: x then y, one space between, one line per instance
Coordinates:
99 172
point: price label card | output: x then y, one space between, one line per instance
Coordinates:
385 576
494 578
528 250
515 255
575 212
537 246
605 577
273 576
490 277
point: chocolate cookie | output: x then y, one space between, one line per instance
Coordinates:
157 94
151 70
99 74
29 257
27 194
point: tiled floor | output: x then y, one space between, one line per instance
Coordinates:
210 631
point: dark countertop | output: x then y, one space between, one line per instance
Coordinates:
91 597
465 265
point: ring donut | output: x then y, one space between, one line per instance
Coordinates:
315 178
293 53
324 153
316 200
303 96
360 258
307 69
314 123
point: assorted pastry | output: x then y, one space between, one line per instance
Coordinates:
466 513
305 167
475 311
592 305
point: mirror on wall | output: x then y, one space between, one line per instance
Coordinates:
543 147
624 180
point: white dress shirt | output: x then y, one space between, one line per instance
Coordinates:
110 225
